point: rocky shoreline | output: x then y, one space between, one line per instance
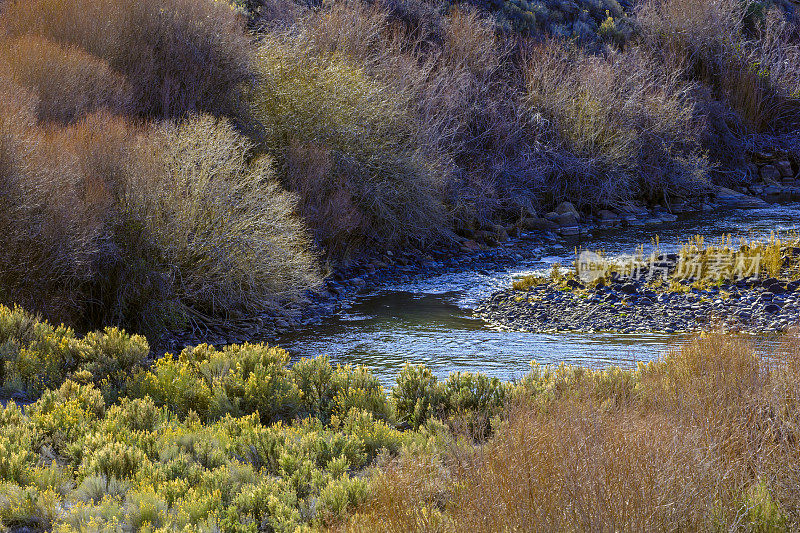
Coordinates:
623 305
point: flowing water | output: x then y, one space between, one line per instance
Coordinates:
429 319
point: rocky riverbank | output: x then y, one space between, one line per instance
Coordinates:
632 306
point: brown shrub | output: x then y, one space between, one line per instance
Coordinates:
68 82
47 234
179 56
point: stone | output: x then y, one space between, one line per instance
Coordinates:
470 246
784 168
772 308
628 288
567 207
730 198
570 231
537 224
608 218
567 220
770 174
776 288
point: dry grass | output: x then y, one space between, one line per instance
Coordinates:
704 439
179 56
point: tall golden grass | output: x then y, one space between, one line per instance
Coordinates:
704 439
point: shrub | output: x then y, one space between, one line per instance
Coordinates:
37 356
218 230
68 82
179 56
745 62
237 380
417 395
46 238
621 126
352 156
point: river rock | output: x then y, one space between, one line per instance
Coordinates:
570 231
785 169
770 174
567 207
537 224
567 220
608 218
730 198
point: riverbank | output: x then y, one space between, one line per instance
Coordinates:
626 306
749 287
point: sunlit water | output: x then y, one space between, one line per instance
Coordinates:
429 320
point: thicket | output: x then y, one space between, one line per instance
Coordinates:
239 440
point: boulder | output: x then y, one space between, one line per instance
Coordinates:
567 207
785 168
770 174
537 224
605 214
608 218
567 220
730 198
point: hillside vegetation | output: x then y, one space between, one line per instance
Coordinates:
168 164
238 440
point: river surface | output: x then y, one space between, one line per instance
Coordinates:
429 319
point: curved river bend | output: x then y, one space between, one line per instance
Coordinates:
429 320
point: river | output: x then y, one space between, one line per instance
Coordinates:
429 319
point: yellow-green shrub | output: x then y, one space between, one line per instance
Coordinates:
35 356
347 144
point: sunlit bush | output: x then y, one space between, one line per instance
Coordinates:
212 223
352 156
